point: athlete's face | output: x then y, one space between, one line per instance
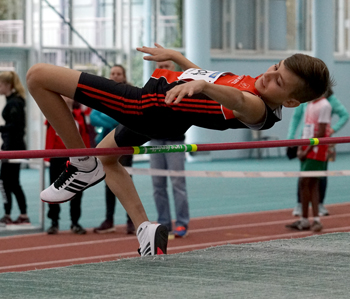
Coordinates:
276 85
117 74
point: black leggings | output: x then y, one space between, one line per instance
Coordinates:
9 176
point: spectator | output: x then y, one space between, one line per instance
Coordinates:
104 124
337 108
313 158
173 161
53 141
12 134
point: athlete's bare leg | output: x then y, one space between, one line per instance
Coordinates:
121 184
47 83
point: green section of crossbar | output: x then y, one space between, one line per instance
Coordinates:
161 149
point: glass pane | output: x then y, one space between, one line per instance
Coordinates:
245 25
169 23
12 22
278 25
217 20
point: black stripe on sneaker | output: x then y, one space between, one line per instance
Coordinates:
79 182
72 190
72 185
147 249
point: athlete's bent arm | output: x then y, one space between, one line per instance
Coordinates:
246 107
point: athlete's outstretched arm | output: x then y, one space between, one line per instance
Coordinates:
161 54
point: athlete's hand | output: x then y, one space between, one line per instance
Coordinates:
177 93
156 54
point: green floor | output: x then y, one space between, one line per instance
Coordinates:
207 196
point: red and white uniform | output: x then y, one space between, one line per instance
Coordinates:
317 112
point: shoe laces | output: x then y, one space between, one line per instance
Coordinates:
65 175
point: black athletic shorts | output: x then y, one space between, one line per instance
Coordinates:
143 119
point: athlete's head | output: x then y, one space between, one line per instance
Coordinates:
10 83
314 74
297 79
118 74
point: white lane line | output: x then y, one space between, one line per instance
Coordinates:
192 247
193 231
194 219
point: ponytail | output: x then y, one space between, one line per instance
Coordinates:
12 78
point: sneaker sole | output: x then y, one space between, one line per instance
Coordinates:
93 184
161 240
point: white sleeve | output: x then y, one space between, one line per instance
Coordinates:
325 114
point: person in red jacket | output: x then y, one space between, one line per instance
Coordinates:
53 141
167 106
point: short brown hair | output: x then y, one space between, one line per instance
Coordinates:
314 75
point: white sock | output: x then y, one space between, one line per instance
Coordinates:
142 227
83 163
317 219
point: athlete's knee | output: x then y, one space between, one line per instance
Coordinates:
108 161
35 75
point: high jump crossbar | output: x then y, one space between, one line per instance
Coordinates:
137 150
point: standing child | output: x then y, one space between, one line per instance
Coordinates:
167 106
337 109
317 124
12 134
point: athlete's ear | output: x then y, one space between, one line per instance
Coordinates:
291 103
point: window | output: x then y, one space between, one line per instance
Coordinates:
342 28
261 26
12 22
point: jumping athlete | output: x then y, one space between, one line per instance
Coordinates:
168 105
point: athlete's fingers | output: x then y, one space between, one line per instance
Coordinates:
191 92
171 95
183 92
144 49
151 58
158 46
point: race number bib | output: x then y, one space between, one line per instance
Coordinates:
308 131
199 74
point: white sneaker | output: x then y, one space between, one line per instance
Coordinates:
322 211
297 210
71 181
153 239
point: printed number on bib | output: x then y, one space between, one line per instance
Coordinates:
199 74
